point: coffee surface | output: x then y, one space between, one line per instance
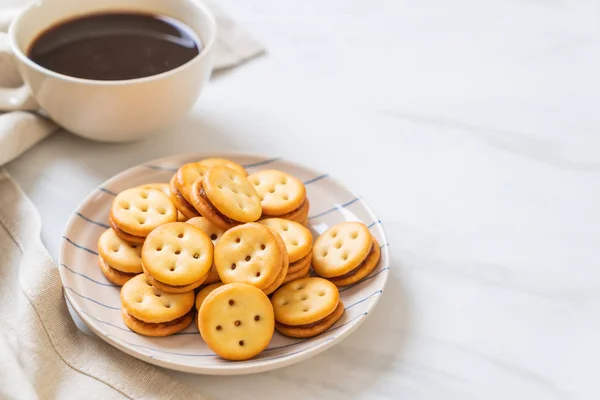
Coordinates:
115 46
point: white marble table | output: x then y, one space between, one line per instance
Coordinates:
472 128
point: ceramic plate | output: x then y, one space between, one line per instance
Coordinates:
97 302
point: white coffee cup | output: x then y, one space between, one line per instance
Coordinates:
111 111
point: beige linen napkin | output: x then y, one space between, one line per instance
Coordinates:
21 130
43 355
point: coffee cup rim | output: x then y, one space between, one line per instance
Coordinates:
206 47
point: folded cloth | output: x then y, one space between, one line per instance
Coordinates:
44 355
21 130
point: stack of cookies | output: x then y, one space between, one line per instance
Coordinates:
225 197
177 257
152 312
118 259
298 243
136 212
281 195
235 240
252 254
345 253
306 307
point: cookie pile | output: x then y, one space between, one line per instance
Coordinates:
298 244
345 253
281 195
306 307
252 254
118 259
235 240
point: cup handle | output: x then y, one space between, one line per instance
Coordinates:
13 99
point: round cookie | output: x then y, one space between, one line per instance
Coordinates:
341 248
306 307
305 301
362 270
226 198
119 254
214 233
279 193
165 188
297 238
137 211
213 162
177 256
236 321
149 304
251 254
186 175
152 312
114 275
180 202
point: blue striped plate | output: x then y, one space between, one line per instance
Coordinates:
96 300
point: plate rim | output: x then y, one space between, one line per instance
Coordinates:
229 368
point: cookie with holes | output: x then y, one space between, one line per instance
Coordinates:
202 294
281 195
214 162
152 312
298 243
306 307
118 260
214 233
164 187
180 202
186 175
236 321
136 212
226 198
177 257
252 254
345 253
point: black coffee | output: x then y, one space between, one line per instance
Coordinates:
115 46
